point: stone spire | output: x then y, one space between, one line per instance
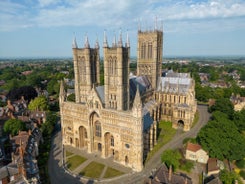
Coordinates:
62 91
137 104
137 99
86 45
127 42
105 44
114 43
97 46
120 43
74 43
155 28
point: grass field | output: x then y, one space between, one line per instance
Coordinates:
110 172
165 134
74 161
68 153
93 170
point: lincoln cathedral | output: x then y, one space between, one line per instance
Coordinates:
120 118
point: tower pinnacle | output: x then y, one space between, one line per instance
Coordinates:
97 46
114 43
127 42
120 43
105 44
74 43
86 45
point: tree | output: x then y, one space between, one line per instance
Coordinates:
223 105
71 97
53 87
239 120
28 92
13 126
221 138
171 157
33 80
229 177
48 127
39 103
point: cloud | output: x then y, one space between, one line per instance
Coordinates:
202 10
45 3
114 14
13 16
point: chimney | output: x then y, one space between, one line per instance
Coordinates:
186 181
170 173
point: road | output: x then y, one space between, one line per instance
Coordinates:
56 171
58 174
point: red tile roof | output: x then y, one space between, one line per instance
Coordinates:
193 147
212 164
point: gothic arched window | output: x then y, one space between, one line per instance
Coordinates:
112 141
97 129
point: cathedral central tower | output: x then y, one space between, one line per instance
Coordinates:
149 54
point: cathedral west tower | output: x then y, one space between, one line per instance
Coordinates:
116 74
86 69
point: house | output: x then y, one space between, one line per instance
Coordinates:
166 176
212 180
39 116
214 166
8 173
196 153
238 102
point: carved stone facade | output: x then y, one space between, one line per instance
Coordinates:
120 118
176 96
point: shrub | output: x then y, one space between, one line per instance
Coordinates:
240 163
242 174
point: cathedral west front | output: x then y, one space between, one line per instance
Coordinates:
120 118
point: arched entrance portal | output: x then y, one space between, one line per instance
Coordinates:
181 124
109 144
99 147
83 136
95 131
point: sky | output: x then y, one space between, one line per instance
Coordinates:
46 28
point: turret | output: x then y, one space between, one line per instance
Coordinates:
74 43
137 104
120 43
62 92
86 44
105 43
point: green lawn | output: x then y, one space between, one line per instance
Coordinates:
74 161
166 133
68 153
110 172
93 170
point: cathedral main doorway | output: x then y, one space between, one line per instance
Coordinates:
109 144
83 136
99 147
181 124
